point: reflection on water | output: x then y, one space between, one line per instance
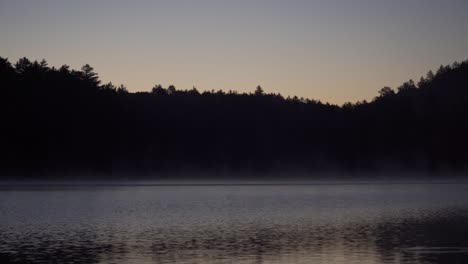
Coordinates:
337 223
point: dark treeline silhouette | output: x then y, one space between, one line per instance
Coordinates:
58 120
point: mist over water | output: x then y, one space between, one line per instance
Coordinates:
336 222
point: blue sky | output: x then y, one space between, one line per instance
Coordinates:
332 50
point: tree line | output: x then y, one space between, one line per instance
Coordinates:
65 121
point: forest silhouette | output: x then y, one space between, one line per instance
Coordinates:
63 121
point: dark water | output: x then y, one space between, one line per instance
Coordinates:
325 223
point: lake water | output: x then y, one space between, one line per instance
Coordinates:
313 223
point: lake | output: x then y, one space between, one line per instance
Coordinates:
322 222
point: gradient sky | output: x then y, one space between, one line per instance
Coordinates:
332 50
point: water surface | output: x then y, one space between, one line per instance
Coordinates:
362 222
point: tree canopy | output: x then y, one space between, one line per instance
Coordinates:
62 120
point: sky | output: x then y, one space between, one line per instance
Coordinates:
331 50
